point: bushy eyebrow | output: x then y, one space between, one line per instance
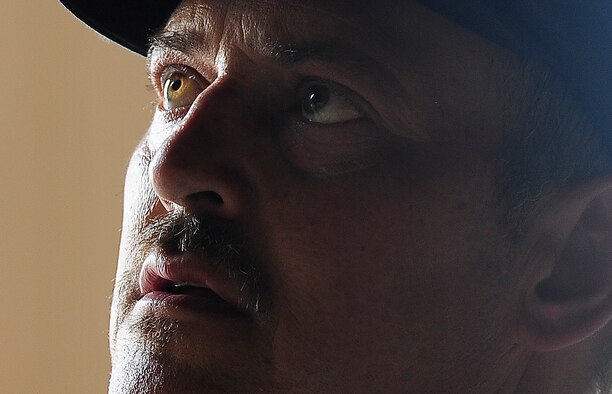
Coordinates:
350 60
329 52
180 41
190 42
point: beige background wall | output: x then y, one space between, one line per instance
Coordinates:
71 107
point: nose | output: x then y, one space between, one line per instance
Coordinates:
201 163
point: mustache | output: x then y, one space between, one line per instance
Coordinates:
177 232
220 240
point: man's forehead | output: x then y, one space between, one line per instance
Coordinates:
282 29
287 17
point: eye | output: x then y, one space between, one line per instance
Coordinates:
326 103
180 88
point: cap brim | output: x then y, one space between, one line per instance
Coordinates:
130 23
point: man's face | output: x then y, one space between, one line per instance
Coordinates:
315 206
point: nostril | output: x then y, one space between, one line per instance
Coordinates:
210 199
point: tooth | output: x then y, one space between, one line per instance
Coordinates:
190 284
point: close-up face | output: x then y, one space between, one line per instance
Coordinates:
316 206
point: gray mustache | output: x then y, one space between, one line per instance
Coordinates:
177 232
218 239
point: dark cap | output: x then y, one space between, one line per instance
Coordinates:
129 23
573 37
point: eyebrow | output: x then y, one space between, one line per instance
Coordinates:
190 42
349 59
339 54
185 42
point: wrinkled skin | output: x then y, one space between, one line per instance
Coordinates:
377 226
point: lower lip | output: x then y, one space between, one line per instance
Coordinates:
177 305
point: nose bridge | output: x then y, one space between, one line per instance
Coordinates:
217 120
202 163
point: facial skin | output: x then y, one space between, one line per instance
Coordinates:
348 204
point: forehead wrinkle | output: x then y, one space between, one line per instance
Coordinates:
275 37
253 21
196 15
200 30
190 30
186 41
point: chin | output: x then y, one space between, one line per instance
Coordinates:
162 355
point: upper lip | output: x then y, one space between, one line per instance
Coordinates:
160 272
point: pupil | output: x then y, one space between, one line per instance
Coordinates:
176 84
317 98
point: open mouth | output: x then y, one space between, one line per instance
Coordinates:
188 282
196 290
188 296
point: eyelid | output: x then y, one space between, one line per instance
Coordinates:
351 105
161 59
340 84
336 87
159 78
349 95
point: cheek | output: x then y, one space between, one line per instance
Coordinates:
139 198
399 260
324 150
138 202
380 228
